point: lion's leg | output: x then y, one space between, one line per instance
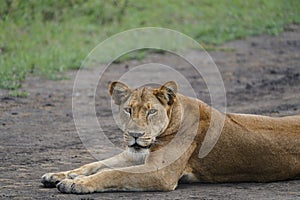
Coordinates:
151 176
117 180
121 160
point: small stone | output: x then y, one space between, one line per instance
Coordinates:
248 86
48 105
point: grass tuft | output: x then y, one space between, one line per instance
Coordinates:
17 93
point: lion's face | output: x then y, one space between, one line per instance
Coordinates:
142 118
144 112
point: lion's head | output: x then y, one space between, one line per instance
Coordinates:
144 112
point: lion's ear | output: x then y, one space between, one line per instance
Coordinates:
119 92
167 92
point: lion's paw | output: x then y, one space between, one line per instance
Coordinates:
50 180
75 186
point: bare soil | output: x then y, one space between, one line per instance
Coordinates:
38 135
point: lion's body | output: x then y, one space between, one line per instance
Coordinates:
250 147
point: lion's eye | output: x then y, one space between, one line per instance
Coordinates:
128 110
152 112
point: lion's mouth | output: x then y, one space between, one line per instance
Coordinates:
136 146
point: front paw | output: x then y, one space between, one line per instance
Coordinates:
75 186
50 180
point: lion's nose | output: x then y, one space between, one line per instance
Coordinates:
136 134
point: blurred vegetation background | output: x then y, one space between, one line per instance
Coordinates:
48 37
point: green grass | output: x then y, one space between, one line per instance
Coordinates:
17 93
48 37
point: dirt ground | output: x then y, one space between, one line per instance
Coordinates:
38 135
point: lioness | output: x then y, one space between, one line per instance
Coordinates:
159 126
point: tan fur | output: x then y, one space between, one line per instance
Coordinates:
250 147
